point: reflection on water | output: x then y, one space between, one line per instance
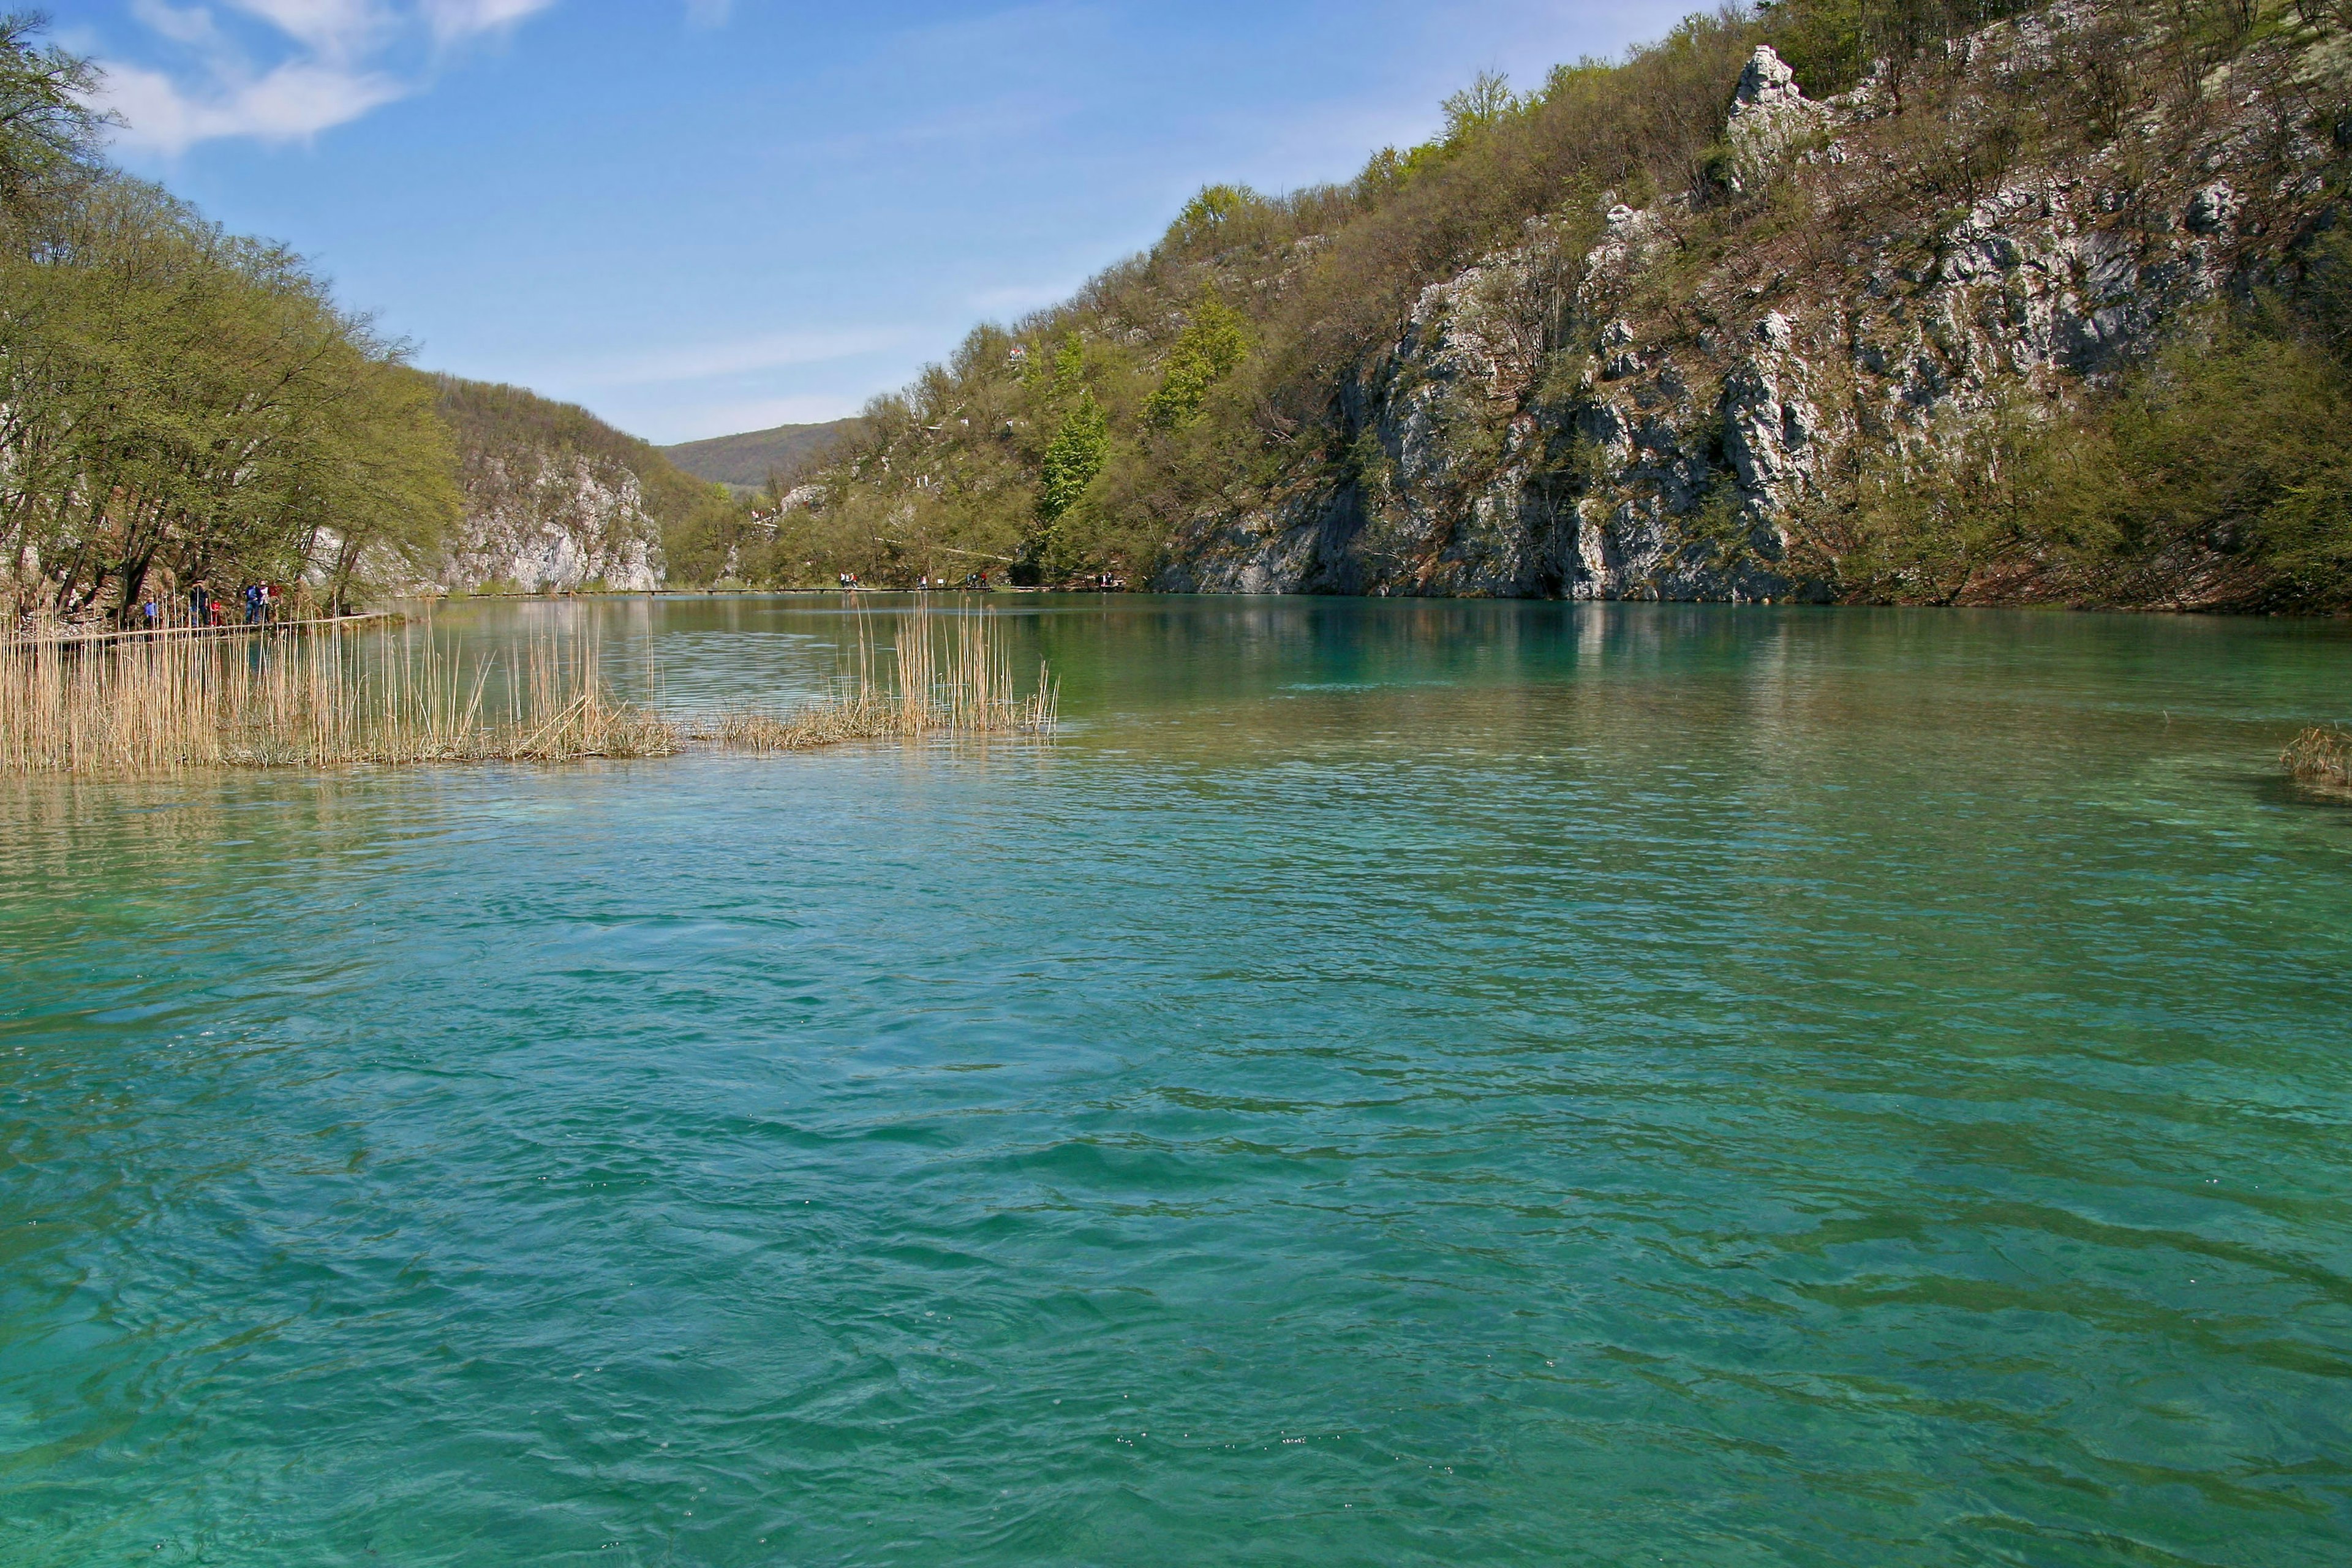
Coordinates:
1399 1082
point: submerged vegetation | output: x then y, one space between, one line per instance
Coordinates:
153 705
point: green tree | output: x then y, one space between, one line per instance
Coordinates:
1205 352
1477 109
1211 210
173 400
48 132
1074 456
1486 103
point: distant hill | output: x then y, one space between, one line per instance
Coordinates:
746 462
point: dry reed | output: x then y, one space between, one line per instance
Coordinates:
964 689
148 706
2321 756
158 705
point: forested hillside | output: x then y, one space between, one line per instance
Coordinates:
553 498
179 406
1949 300
757 459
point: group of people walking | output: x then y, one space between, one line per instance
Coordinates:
263 603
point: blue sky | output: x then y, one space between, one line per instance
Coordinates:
698 216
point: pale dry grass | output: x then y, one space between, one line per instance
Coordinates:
148 706
954 682
152 706
2321 756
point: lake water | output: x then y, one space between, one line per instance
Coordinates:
1388 1083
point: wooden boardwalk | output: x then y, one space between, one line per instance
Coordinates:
60 637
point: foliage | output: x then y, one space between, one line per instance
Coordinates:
1210 209
1204 354
178 406
48 133
2225 453
1832 44
1239 364
1073 457
1930 518
772 459
181 403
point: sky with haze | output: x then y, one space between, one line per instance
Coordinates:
700 217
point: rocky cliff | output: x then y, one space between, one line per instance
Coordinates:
1649 411
554 500
1812 299
553 522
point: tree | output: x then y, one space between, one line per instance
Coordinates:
1210 210
1074 456
175 400
1211 345
48 129
1486 102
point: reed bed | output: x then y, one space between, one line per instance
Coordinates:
2321 756
148 707
324 699
957 682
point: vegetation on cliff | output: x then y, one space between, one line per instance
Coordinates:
554 496
1254 382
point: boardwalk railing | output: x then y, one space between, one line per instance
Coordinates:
53 633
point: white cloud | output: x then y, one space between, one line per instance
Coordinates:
453 19
296 99
334 27
281 71
192 26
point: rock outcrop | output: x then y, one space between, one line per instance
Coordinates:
1621 403
554 522
554 500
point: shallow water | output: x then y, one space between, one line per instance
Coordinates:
1388 1083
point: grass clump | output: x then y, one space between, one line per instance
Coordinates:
958 682
2320 755
149 707
145 706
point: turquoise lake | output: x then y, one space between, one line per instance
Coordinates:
1387 1083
